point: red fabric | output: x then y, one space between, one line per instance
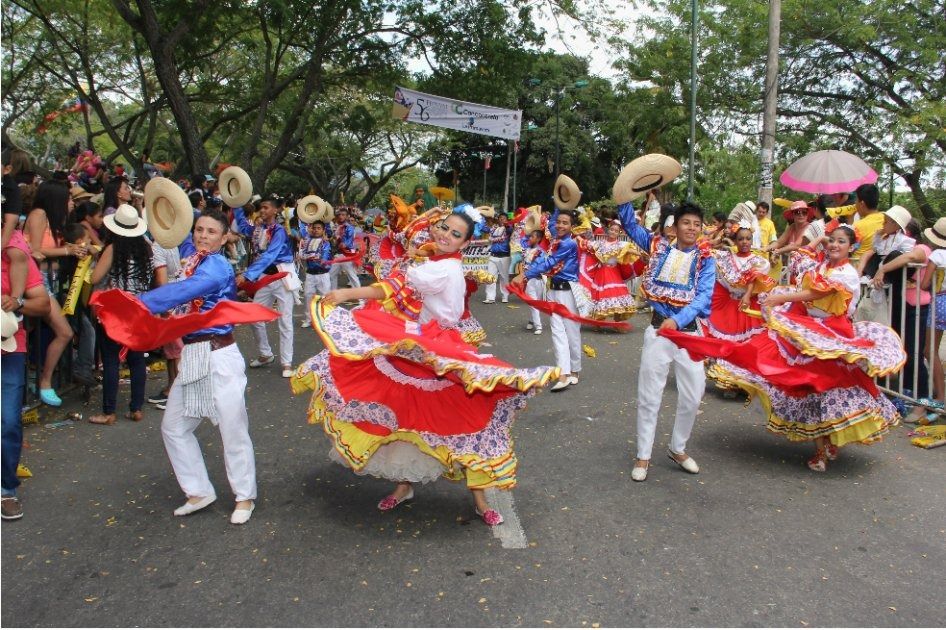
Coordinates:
726 317
760 355
596 277
448 411
555 308
445 343
130 323
251 287
355 258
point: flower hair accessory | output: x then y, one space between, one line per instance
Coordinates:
479 224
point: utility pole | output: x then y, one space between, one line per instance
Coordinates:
558 99
693 23
770 101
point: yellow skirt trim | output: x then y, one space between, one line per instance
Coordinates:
863 426
357 447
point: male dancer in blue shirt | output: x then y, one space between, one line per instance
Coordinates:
270 245
561 265
316 252
678 283
211 380
345 244
499 259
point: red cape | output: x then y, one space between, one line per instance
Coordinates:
129 322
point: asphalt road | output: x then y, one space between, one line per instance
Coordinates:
755 539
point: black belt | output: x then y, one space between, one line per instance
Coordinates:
216 341
561 285
656 320
500 255
315 273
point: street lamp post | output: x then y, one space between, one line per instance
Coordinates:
559 93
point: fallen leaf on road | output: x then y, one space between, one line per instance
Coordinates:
589 351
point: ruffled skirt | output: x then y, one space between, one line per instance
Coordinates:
727 321
383 381
607 289
813 375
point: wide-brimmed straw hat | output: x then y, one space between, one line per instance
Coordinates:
8 327
80 194
169 212
313 208
900 215
126 221
235 186
566 193
937 233
647 172
789 212
488 212
533 220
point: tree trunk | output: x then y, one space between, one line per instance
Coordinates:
913 180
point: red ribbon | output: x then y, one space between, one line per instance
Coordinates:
130 323
251 287
554 308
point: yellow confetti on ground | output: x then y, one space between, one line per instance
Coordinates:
30 417
23 472
591 352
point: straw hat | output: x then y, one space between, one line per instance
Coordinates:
8 327
169 212
645 173
533 220
566 193
235 185
899 215
488 212
313 208
937 233
126 221
80 194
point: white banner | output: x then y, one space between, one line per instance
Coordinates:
427 109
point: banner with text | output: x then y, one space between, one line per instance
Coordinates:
427 109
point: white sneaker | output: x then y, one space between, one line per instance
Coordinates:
286 371
560 385
572 379
639 473
241 516
305 324
190 508
489 301
530 326
506 300
538 331
255 363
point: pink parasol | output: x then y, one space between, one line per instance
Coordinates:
826 172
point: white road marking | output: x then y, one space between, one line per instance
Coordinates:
510 533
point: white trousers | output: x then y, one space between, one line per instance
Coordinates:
656 357
276 292
498 267
315 284
350 271
228 371
566 334
535 289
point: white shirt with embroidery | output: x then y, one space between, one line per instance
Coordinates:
442 288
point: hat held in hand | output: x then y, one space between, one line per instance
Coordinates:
169 212
236 187
566 193
647 172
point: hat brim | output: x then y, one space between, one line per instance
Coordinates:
236 187
311 208
168 211
647 172
934 238
8 344
566 193
113 227
788 213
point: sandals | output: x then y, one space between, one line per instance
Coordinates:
135 416
818 463
103 418
261 361
491 517
390 502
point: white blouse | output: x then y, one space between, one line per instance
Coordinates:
442 288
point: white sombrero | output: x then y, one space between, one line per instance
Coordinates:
313 208
487 211
8 329
566 193
169 212
645 173
236 187
126 221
